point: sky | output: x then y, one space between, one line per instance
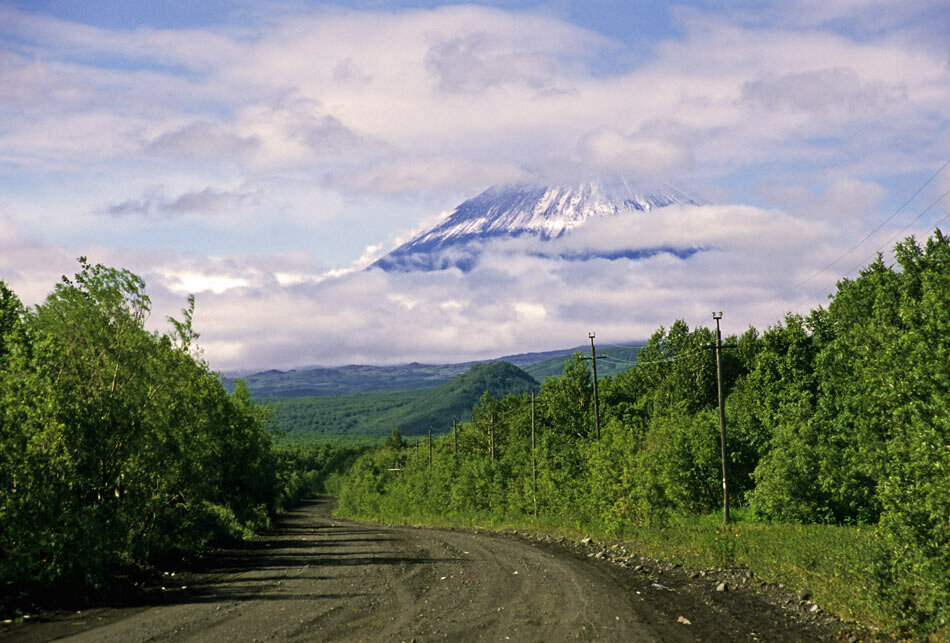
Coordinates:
260 154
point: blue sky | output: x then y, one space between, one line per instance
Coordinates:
258 154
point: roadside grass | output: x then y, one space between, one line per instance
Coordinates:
833 563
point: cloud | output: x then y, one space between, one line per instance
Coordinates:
283 311
296 129
477 62
319 92
641 156
201 140
850 199
530 300
206 201
407 175
818 91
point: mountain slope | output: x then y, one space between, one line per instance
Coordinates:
616 360
412 412
512 211
457 397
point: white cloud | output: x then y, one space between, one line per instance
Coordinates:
850 199
477 62
277 311
528 301
201 139
407 175
642 157
819 91
205 201
190 283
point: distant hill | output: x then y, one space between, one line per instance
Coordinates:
348 380
616 360
352 380
413 412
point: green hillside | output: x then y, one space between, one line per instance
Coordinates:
616 361
412 412
337 414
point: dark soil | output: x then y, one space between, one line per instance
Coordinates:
315 577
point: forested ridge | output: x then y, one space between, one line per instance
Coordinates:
119 446
836 418
412 412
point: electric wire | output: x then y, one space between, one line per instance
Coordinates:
886 244
868 235
859 243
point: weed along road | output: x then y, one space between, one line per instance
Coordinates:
317 578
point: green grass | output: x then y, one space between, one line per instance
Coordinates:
831 561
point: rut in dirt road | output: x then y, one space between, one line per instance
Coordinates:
319 578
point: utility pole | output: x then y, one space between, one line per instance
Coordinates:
430 446
534 459
491 435
722 420
593 361
455 434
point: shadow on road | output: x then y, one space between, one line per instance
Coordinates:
302 542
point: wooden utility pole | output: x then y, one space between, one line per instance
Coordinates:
593 361
430 446
491 435
455 434
722 421
534 459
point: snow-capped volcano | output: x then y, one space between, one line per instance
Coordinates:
514 211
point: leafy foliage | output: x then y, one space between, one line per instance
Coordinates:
837 417
119 445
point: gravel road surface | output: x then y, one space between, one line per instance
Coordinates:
318 578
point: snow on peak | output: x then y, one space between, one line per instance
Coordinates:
515 210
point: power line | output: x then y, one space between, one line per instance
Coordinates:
671 358
887 244
616 360
880 226
869 235
627 345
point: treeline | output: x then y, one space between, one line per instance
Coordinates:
119 445
838 417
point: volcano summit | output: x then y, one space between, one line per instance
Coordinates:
515 211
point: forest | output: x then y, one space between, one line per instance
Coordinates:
412 412
119 447
838 439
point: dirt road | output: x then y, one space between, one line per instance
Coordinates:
317 578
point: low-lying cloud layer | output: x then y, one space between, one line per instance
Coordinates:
521 296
